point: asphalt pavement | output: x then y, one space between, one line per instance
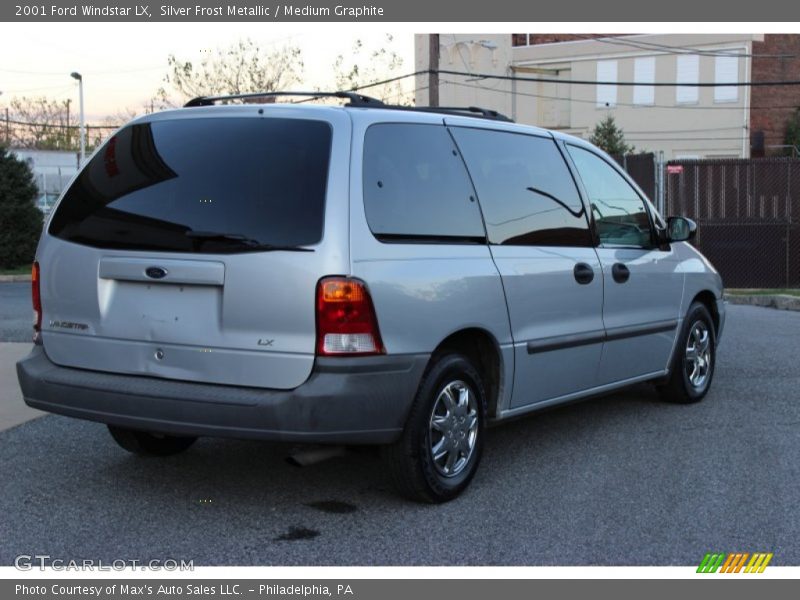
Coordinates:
16 313
622 480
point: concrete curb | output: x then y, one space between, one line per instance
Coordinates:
780 301
14 278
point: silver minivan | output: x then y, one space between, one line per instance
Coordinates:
357 274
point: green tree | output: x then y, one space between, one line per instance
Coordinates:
20 220
793 133
610 137
241 68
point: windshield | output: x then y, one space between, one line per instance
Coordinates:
154 185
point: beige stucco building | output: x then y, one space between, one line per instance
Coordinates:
683 122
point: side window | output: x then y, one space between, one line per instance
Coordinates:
416 186
525 189
619 212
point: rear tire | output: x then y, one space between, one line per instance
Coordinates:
439 451
695 358
144 443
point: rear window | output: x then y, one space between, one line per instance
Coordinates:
203 185
416 187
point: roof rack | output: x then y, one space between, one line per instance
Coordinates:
355 98
471 111
359 101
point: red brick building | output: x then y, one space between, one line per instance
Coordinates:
777 58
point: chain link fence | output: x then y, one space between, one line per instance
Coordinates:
52 171
748 216
643 170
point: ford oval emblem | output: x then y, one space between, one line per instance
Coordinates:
156 272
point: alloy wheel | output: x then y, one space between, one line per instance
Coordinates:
453 430
698 354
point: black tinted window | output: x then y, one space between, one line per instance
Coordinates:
416 186
525 189
171 185
619 213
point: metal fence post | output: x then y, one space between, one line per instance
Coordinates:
660 180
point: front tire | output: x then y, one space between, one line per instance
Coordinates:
144 443
439 451
695 358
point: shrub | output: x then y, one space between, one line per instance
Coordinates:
609 137
20 219
792 137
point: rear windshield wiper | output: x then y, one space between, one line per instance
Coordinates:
241 242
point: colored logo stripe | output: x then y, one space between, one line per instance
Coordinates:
734 562
711 563
758 563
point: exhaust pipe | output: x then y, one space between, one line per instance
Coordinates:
315 454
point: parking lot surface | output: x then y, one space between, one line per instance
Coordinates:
622 480
16 314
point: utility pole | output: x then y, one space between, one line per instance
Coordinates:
77 76
69 132
8 136
433 69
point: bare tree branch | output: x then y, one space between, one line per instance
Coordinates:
238 69
380 64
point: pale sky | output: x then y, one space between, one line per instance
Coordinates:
123 64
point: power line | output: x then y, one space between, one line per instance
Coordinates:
415 91
684 139
354 89
390 80
104 72
18 72
699 130
667 49
366 86
56 125
126 71
628 104
792 82
484 76
39 89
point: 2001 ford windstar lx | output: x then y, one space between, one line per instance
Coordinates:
358 274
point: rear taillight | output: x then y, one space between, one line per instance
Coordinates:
346 321
36 297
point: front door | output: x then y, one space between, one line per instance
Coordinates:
643 286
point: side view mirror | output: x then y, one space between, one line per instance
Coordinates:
680 229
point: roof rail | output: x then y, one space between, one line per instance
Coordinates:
471 111
355 98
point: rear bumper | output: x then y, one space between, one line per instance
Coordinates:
362 400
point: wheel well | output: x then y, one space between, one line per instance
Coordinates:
482 349
709 300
